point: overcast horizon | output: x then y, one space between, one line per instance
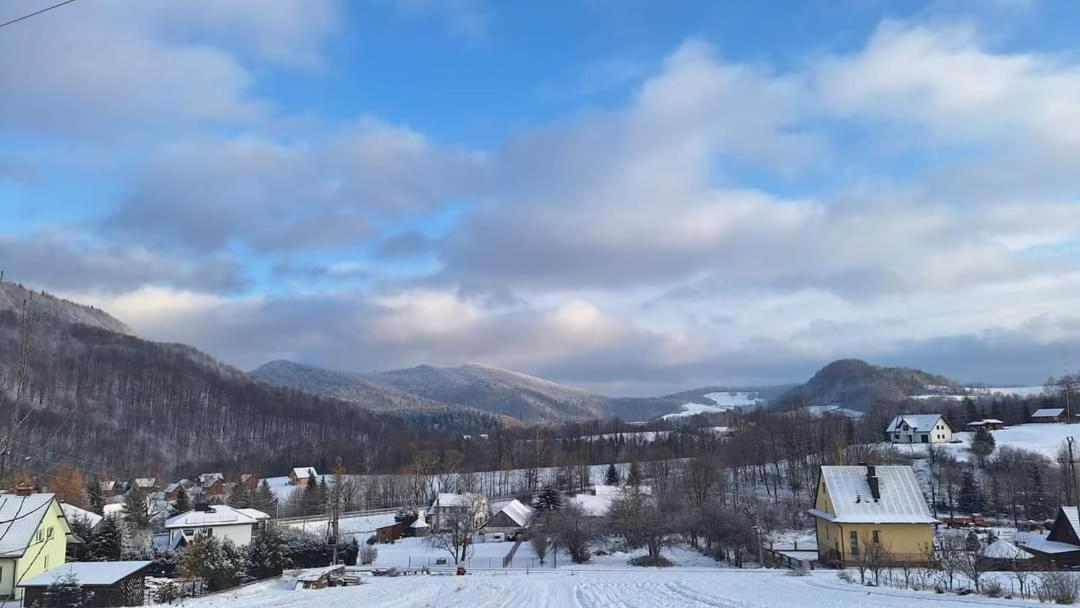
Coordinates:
627 196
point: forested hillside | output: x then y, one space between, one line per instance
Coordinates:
119 403
859 385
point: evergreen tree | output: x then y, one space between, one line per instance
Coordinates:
266 554
969 410
81 528
107 542
264 498
970 499
64 592
549 499
849 431
612 478
324 495
95 497
137 509
239 497
633 478
983 444
182 503
1037 502
310 496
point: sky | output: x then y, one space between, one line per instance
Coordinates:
630 196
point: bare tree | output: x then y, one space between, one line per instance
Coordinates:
458 526
576 530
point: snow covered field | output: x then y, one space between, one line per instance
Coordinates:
630 588
723 402
1042 438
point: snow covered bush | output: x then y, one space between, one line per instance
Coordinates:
368 554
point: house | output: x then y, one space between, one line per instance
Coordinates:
299 475
450 507
172 491
109 488
72 513
1061 547
420 527
249 482
510 517
919 428
103 584
856 506
34 535
1000 554
221 521
146 484
212 484
1049 415
990 424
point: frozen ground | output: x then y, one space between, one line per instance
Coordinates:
723 402
629 588
1042 438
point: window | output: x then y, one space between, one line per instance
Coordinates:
854 540
189 532
875 536
40 535
49 532
46 562
925 438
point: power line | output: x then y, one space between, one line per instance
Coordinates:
36 13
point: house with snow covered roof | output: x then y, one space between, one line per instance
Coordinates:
919 428
856 506
1061 547
1050 415
34 534
508 517
224 522
299 475
212 484
99 583
449 507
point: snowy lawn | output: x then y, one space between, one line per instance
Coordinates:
630 588
1042 438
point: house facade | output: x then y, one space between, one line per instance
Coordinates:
33 539
919 428
223 522
299 475
867 507
448 508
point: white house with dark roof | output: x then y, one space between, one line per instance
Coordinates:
919 428
221 521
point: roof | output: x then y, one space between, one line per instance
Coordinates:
304 471
209 478
20 517
1032 541
518 512
145 482
1048 412
89 574
901 501
594 506
217 515
246 476
919 422
1003 549
72 512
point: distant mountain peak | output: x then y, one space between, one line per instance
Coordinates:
53 310
859 385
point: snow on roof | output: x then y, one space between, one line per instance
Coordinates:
89 574
145 482
1048 412
304 472
116 508
72 512
1040 544
901 501
919 422
20 517
519 513
368 523
992 421
217 515
209 478
1003 549
595 506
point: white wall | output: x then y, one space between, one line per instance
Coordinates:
239 534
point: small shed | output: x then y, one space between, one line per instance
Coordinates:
420 527
1050 415
319 578
1000 554
103 584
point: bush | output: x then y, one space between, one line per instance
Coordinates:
1059 587
368 554
658 561
846 576
993 588
372 540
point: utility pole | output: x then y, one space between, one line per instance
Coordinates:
1072 471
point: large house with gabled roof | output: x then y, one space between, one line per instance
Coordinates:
1061 547
919 428
34 535
860 506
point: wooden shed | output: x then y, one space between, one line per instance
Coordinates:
103 584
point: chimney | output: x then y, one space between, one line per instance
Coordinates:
24 489
203 507
873 481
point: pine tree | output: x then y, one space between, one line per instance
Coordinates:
266 554
970 414
549 499
970 499
95 496
311 496
182 503
983 444
612 478
324 495
264 499
64 592
1037 502
107 543
137 509
633 478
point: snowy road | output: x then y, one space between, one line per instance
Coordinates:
607 589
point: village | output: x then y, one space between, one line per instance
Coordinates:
875 523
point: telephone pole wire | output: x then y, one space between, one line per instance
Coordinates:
35 13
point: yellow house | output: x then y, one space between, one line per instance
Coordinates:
869 510
33 539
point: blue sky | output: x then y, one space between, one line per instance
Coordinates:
635 197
